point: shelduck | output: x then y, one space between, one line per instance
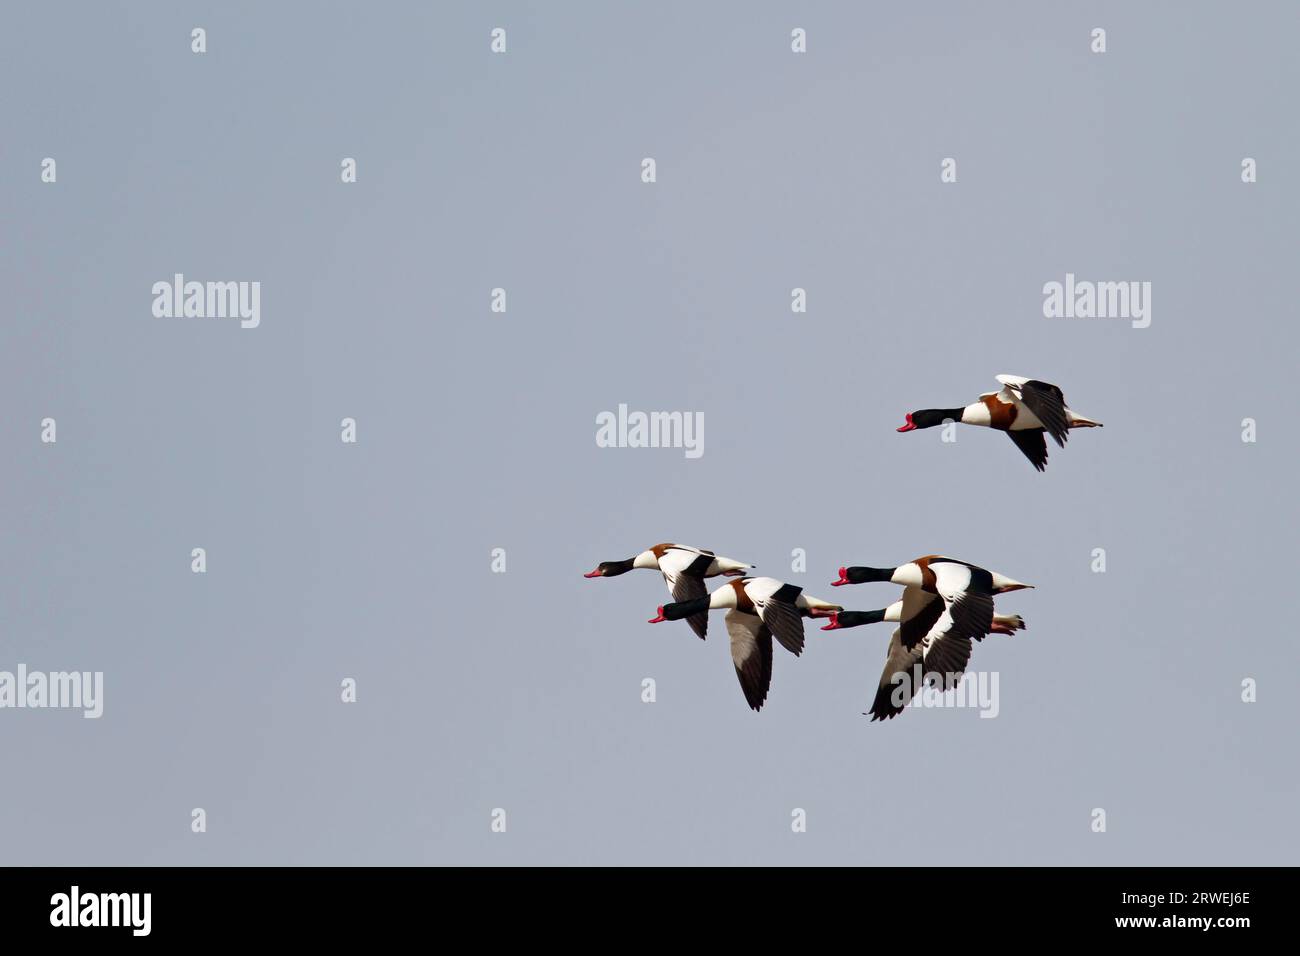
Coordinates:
926 639
946 604
684 569
1024 408
758 609
936 574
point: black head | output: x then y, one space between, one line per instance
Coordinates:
929 417
843 619
863 576
610 569
680 609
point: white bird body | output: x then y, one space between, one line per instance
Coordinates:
946 576
758 609
684 569
946 605
1025 408
677 559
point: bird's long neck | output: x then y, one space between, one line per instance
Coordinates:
858 618
868 575
929 417
680 609
612 569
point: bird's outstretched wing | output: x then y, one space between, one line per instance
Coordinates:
899 680
1048 405
687 587
1030 441
751 652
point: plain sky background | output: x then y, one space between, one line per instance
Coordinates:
476 431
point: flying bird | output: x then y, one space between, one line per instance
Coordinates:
946 604
923 638
758 609
1024 408
684 569
933 573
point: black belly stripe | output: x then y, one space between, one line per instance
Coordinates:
787 593
981 581
699 567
